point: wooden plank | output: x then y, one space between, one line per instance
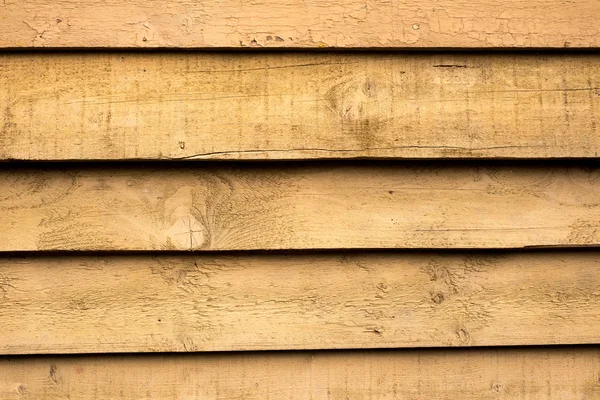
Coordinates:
272 302
541 374
302 206
295 106
299 24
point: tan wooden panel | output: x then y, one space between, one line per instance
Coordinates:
302 206
298 23
528 373
295 106
266 302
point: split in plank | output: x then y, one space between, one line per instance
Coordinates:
295 106
282 206
514 373
143 303
299 23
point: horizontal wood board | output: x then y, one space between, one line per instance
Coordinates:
298 206
299 24
515 374
142 303
124 106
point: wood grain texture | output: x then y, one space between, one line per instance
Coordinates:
272 302
295 106
298 206
504 374
297 23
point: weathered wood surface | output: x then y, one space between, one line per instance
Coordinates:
146 303
298 206
297 23
469 374
296 106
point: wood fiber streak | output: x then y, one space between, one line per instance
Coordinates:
124 106
505 374
108 304
299 24
282 206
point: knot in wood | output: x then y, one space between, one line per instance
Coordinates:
360 100
188 233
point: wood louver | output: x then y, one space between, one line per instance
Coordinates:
217 199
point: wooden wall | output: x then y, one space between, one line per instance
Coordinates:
396 200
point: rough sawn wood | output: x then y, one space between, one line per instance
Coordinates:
83 304
299 23
298 206
473 374
156 106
